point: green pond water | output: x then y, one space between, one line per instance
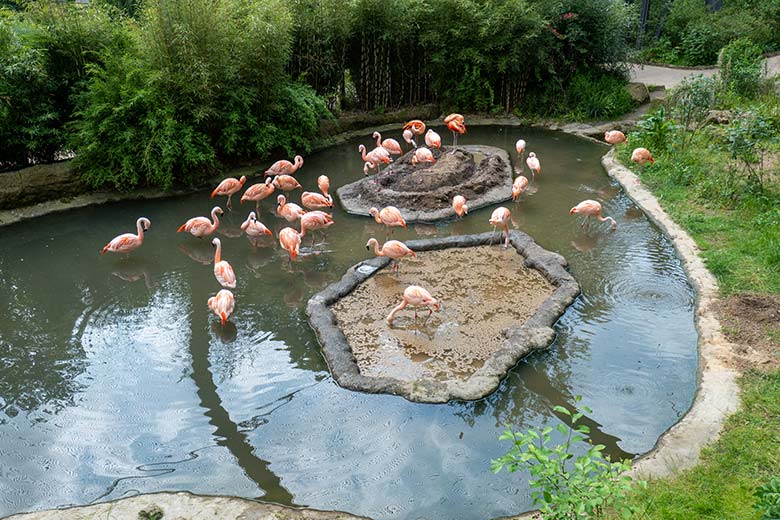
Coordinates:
116 379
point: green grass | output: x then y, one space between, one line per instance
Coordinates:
746 455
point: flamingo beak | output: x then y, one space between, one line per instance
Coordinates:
268 232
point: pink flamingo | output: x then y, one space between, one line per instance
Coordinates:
284 167
229 187
501 217
391 145
313 200
459 205
367 166
323 183
392 249
258 192
519 187
253 227
127 242
642 156
615 137
389 216
415 296
222 305
591 208
376 156
286 183
457 125
409 138
432 139
533 164
223 271
290 240
201 226
520 147
415 126
314 220
288 210
422 155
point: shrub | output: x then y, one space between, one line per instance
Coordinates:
740 67
690 103
748 138
768 499
594 96
656 131
566 486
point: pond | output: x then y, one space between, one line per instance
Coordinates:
117 379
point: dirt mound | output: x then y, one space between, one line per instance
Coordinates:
752 323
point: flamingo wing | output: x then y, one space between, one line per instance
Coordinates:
224 274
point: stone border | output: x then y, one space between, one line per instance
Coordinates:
717 395
536 333
497 193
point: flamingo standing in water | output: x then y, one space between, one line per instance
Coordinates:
615 137
459 205
415 296
253 227
229 187
222 305
520 147
312 200
533 164
423 155
290 241
500 217
223 271
389 216
323 183
258 192
284 167
519 187
288 210
642 156
432 139
409 138
314 220
591 208
457 125
392 249
127 242
286 183
391 145
201 226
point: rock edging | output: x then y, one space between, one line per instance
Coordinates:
717 394
536 333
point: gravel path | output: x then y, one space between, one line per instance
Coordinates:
670 77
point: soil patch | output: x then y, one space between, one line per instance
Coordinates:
477 309
752 323
424 192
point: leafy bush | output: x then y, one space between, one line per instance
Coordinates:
593 96
691 102
566 486
656 131
749 137
740 67
768 499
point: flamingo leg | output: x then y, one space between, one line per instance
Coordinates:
229 202
506 244
491 236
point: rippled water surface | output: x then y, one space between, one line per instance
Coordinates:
116 379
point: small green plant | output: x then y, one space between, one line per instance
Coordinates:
748 139
768 500
566 486
690 104
656 131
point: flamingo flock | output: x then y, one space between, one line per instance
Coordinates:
279 176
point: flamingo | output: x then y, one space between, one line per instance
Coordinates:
253 227
519 187
591 208
415 296
315 220
409 138
201 226
533 164
127 242
323 183
391 145
284 167
258 192
422 155
223 271
432 139
389 216
290 241
500 217
222 305
376 156
286 183
229 187
313 200
456 124
459 205
642 156
368 166
415 126
520 147
288 210
615 137
392 249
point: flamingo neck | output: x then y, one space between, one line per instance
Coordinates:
215 218
396 310
218 253
378 138
139 224
377 251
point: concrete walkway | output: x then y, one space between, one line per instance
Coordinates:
670 77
